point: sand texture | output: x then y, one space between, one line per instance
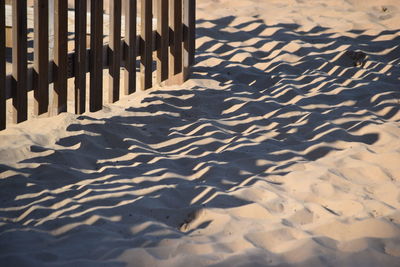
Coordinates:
282 150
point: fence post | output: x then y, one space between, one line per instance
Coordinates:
186 37
162 40
192 32
2 66
19 58
189 38
130 46
41 57
96 55
115 50
60 55
80 55
175 51
146 44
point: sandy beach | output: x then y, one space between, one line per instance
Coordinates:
283 149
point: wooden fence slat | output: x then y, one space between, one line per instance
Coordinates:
60 55
192 31
19 60
175 18
96 55
41 57
115 50
80 56
147 45
2 66
186 38
130 46
162 40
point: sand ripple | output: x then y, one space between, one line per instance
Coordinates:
282 149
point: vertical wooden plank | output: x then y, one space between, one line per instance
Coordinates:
19 61
186 38
60 55
130 46
96 55
175 56
80 55
146 44
192 32
41 57
115 50
162 40
2 66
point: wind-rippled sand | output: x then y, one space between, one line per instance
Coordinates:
283 149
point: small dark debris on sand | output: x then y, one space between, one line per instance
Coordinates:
359 58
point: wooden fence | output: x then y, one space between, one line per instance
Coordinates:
172 43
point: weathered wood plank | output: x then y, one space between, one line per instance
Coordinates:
146 42
115 50
175 56
80 56
192 31
19 61
162 42
2 66
60 55
130 47
186 38
96 55
41 57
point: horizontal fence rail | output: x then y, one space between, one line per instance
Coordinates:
160 32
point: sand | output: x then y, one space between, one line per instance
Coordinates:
283 149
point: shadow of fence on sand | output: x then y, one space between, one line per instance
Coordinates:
132 181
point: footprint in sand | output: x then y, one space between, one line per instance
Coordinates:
302 217
275 207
